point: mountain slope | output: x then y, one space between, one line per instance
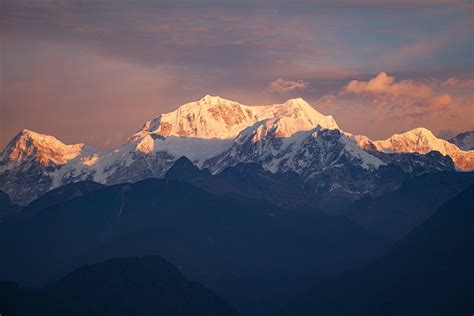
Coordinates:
209 117
60 195
44 149
126 286
246 180
238 247
262 143
464 141
392 214
219 118
34 163
321 157
422 141
429 272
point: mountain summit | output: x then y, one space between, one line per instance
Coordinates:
209 117
421 140
215 117
47 150
218 133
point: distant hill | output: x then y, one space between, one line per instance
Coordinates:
251 253
429 272
125 286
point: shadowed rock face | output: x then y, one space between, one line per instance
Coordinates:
26 181
464 141
125 286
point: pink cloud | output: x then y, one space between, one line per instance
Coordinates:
457 83
281 85
383 105
385 84
404 98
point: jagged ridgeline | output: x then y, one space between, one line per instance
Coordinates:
216 133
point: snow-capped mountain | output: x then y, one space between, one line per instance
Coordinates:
422 141
464 141
214 117
44 149
217 133
280 145
33 163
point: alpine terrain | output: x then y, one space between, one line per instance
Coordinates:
215 133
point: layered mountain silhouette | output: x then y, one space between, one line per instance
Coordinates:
257 203
429 272
391 215
246 180
124 286
252 253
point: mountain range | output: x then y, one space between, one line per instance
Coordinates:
257 203
241 245
391 214
215 134
251 253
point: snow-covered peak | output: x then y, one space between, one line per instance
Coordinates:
422 141
215 117
45 149
300 113
213 99
209 117
286 119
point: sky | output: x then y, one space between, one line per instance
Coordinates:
95 71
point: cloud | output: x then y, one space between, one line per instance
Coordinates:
457 83
405 97
385 84
383 105
446 133
282 86
380 115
